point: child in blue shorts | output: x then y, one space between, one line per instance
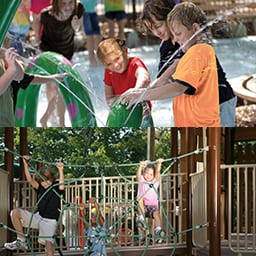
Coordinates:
91 29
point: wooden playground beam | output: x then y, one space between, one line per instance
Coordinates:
214 182
23 149
9 166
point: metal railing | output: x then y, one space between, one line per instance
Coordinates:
238 203
199 207
241 201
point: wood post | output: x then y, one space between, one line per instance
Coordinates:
214 191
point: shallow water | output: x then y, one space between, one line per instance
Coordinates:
237 56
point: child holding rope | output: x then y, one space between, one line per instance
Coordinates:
95 230
48 208
147 196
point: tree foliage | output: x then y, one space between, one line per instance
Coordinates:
90 150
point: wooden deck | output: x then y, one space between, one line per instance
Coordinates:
128 251
225 250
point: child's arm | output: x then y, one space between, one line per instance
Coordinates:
14 71
83 215
76 23
96 205
38 79
37 29
109 95
163 79
143 78
139 170
169 90
60 166
29 178
158 167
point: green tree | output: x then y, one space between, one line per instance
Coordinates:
92 150
88 147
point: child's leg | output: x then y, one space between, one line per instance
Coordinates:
49 248
111 27
159 232
60 110
121 25
141 209
51 98
47 229
17 224
21 218
158 223
48 112
90 47
140 221
54 99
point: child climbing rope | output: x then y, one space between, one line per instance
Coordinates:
45 219
95 230
148 205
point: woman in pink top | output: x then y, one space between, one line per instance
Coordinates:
148 176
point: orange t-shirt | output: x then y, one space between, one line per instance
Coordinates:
199 105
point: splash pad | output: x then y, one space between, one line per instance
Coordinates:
243 56
75 95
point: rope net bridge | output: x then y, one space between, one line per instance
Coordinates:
118 204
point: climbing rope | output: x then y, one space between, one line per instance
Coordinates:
104 235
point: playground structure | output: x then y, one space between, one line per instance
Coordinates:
208 197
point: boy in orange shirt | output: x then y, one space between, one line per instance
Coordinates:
194 85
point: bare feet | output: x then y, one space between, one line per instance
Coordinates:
43 121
